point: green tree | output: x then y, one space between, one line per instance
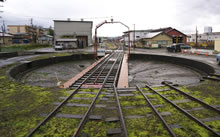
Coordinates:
51 31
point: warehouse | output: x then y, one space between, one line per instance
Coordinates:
71 30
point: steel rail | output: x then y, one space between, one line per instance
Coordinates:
122 121
62 103
210 78
157 113
83 121
217 75
193 98
94 82
185 112
96 68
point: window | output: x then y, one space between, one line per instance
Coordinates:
137 36
174 39
162 42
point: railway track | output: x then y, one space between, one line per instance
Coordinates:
95 107
185 103
103 75
214 77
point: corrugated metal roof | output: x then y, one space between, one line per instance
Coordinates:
5 34
66 40
152 34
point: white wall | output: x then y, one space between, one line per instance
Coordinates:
217 45
71 27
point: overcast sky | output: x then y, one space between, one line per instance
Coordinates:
183 15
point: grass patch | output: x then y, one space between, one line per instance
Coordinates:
20 48
21 105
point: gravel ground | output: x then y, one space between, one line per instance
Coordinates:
154 72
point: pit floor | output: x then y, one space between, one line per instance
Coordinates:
140 72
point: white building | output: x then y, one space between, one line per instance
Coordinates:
206 37
67 31
135 35
207 29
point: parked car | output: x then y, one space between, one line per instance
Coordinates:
178 47
218 58
58 47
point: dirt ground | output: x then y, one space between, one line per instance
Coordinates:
154 72
47 76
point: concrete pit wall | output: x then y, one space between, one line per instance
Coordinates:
17 72
8 55
201 67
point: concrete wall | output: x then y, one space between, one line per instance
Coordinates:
17 72
8 55
201 67
80 28
217 45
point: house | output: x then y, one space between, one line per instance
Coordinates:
73 33
21 38
5 39
160 39
22 33
25 33
46 39
176 35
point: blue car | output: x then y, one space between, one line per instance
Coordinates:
218 58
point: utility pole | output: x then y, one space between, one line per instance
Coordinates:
32 30
3 29
134 38
196 37
3 35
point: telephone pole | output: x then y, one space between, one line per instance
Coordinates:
196 37
134 38
32 31
3 32
3 29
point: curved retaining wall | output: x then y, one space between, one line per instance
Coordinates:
197 65
8 55
15 54
17 72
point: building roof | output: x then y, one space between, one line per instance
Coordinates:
151 30
67 40
72 21
21 33
152 34
18 25
175 30
49 36
5 35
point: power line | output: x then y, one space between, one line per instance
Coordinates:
53 18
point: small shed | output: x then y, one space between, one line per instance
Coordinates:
217 45
5 38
